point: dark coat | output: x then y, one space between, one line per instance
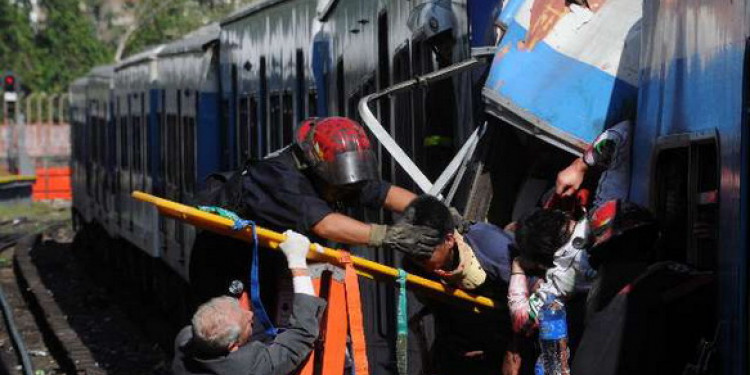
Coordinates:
282 356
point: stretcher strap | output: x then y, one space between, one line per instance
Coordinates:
254 282
354 310
402 332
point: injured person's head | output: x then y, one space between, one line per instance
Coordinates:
539 235
428 211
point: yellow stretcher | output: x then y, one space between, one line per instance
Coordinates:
271 239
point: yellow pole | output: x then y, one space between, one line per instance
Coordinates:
272 239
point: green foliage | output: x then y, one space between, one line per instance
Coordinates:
67 45
69 42
17 50
166 20
65 48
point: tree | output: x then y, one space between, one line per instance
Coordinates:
68 44
17 50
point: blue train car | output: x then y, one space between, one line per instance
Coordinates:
678 69
79 148
134 78
184 138
692 141
101 129
283 61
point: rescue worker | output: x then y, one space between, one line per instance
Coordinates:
477 260
330 166
219 339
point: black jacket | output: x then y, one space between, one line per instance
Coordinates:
282 356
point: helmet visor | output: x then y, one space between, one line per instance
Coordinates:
348 168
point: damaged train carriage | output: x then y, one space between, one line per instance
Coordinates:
563 72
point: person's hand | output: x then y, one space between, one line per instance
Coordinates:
511 363
414 240
295 249
569 180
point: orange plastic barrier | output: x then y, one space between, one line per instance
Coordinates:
52 183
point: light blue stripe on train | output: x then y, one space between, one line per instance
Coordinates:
547 88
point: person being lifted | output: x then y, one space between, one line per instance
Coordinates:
219 339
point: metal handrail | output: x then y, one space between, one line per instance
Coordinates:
394 149
271 239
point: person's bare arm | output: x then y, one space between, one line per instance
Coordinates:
398 198
569 180
341 228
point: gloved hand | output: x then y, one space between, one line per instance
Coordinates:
414 240
462 225
295 249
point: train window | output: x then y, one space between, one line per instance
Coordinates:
300 89
177 150
253 126
188 134
124 137
236 151
402 107
312 103
122 133
142 138
686 200
171 140
287 118
243 141
384 80
136 133
162 124
340 88
274 125
263 100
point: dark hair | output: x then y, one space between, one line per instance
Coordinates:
540 234
429 211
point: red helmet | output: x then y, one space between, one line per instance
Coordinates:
337 149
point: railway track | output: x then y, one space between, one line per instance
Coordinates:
67 322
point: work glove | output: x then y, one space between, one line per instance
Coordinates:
462 225
414 240
295 249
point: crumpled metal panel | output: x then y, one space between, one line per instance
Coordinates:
565 72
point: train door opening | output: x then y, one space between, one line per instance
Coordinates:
515 170
685 199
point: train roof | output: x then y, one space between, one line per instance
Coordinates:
102 71
80 82
148 54
194 41
250 9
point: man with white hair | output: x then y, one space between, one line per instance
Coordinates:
218 340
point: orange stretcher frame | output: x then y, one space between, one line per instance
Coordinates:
271 239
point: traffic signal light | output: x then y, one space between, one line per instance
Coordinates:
9 83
